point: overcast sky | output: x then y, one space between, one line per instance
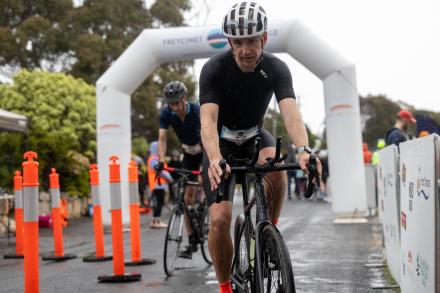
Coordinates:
394 44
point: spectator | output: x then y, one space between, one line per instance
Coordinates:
158 185
397 134
141 179
380 145
322 156
367 154
290 173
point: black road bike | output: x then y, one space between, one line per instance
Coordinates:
261 261
199 220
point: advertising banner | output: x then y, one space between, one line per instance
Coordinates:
390 206
370 183
379 191
417 215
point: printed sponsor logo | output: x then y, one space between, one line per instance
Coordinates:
109 126
422 269
403 220
182 41
423 184
263 73
403 174
411 196
216 39
390 179
340 107
403 263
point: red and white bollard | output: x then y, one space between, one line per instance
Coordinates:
135 222
18 211
59 255
97 218
30 219
119 274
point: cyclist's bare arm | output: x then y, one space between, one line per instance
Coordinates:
162 145
210 140
295 126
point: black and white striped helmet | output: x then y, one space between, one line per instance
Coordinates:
174 91
245 20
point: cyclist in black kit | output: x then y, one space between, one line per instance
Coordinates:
184 118
236 87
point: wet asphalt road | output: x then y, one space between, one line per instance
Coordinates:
326 257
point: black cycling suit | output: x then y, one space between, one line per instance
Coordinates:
188 132
243 99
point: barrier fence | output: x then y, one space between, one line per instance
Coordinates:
390 205
413 204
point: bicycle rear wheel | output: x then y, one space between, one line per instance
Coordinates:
205 232
242 268
173 239
275 264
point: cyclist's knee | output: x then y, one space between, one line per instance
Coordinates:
221 220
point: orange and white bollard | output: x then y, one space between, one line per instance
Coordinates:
97 218
30 219
117 236
135 223
59 255
18 211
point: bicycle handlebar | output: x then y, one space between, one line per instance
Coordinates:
272 165
185 172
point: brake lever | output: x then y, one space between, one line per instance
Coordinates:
220 191
313 174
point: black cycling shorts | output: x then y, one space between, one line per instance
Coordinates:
243 151
192 162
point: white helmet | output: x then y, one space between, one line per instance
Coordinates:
245 20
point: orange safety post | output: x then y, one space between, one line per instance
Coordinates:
97 218
59 255
135 223
117 236
18 211
30 223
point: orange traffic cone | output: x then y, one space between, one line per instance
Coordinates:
59 254
117 236
30 219
18 211
97 218
135 223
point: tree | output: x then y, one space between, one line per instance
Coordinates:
63 127
274 118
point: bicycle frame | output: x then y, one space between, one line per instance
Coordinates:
262 219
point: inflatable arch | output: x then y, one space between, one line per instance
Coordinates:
156 46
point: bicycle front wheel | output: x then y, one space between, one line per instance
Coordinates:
275 264
173 239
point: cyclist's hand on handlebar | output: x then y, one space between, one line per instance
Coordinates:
159 167
303 161
215 173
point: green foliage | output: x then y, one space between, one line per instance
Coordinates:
139 146
84 41
63 128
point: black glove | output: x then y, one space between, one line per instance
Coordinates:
159 166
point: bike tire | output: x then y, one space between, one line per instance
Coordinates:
275 263
205 233
241 263
173 239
